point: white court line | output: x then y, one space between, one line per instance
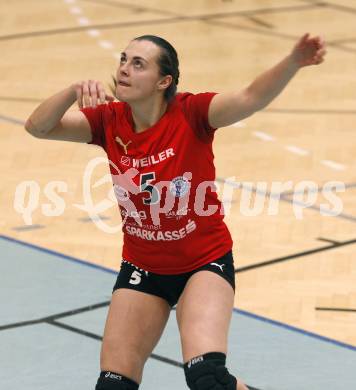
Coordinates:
259 134
296 150
334 165
106 44
263 136
75 10
93 33
83 21
239 124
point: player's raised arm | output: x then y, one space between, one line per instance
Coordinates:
52 120
228 108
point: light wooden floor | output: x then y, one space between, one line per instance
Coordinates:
308 133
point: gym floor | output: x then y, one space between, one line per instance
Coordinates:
295 317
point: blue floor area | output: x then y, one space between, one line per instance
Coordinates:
50 332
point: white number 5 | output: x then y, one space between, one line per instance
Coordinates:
135 278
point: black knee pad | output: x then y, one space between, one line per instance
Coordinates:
111 381
208 372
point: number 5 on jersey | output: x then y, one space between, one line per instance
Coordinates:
146 186
135 278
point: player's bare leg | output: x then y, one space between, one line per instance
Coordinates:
133 327
203 314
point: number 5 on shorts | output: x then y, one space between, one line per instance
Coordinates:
135 278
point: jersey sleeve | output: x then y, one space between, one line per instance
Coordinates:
97 119
195 108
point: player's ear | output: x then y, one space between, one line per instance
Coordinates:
165 82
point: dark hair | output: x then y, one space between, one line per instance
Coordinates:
167 62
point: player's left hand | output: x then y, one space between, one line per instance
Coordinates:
309 51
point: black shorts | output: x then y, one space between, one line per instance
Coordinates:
170 287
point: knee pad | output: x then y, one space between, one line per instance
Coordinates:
208 372
111 381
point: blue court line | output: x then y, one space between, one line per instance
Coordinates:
59 254
295 329
239 311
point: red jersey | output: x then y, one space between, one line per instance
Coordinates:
164 181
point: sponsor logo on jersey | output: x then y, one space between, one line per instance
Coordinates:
179 186
143 226
148 160
133 214
179 214
121 142
121 193
125 160
166 235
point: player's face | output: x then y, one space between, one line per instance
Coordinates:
138 72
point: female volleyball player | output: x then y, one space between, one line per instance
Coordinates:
177 249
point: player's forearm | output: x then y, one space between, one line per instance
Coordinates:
271 83
49 113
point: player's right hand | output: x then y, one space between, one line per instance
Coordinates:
91 93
